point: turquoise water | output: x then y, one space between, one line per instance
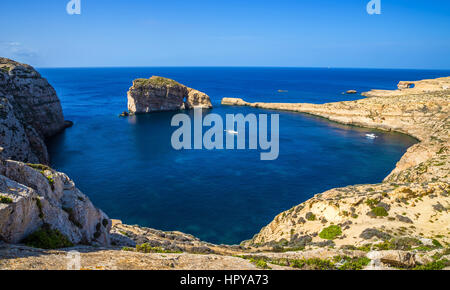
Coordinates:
129 169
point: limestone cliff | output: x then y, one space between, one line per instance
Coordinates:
412 201
162 94
30 111
34 195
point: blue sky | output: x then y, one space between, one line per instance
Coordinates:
303 33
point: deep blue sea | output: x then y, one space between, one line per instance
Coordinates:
129 169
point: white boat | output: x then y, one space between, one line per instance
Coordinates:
371 136
231 132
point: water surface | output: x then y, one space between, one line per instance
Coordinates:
129 169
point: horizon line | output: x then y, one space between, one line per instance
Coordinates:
224 66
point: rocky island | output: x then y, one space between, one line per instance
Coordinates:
402 222
163 94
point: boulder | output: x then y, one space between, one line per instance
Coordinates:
394 258
163 94
38 195
369 233
404 219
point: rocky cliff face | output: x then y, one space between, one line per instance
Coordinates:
30 111
413 201
162 94
34 195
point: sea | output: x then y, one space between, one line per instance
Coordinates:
129 168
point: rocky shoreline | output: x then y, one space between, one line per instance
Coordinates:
412 200
402 222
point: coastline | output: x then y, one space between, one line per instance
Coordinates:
401 111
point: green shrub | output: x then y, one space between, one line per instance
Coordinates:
297 263
331 232
436 265
259 263
146 248
5 199
436 243
47 238
380 211
365 248
314 264
355 263
310 216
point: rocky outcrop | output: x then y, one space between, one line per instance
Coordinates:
30 111
34 195
412 201
162 94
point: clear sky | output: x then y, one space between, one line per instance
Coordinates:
305 33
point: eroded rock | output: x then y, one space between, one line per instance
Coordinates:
41 196
162 94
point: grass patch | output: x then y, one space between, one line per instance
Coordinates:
42 168
5 199
47 238
39 167
331 232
